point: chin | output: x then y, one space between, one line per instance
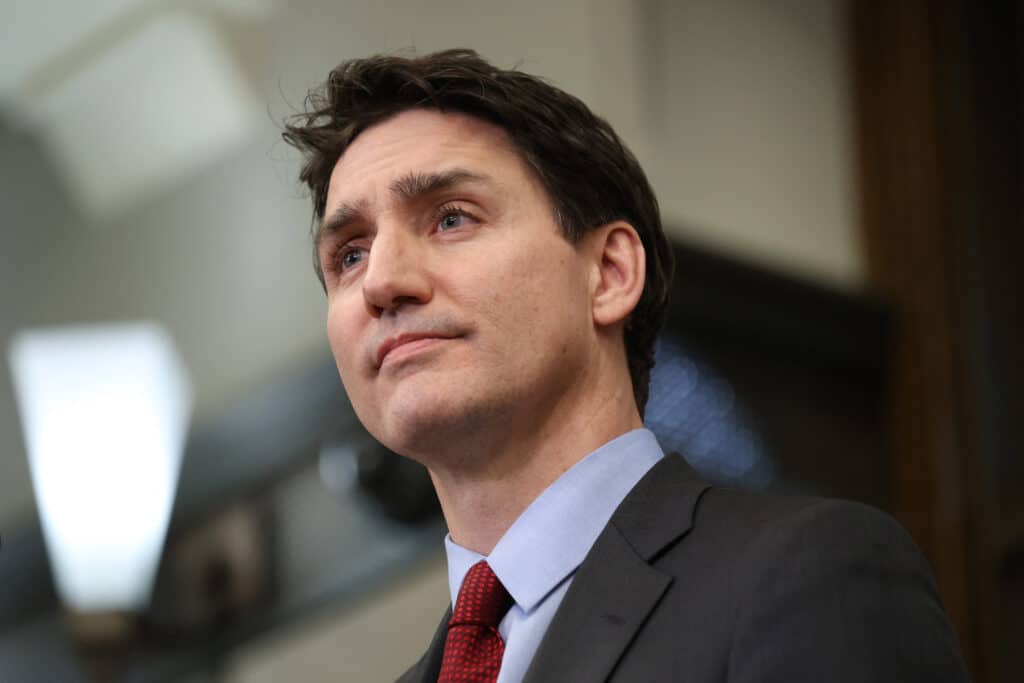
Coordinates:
422 430
432 423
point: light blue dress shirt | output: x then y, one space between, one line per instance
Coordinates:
539 554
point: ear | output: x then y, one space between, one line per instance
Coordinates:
619 273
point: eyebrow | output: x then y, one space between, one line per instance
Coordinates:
407 188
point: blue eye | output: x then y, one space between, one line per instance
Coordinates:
350 258
451 220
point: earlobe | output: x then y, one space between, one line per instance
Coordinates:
620 264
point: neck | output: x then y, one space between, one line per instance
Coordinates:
481 497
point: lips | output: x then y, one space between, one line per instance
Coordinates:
392 343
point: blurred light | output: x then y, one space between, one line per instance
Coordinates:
34 33
104 411
339 467
155 107
695 412
253 10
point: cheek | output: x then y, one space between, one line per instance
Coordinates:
343 329
535 296
341 338
510 301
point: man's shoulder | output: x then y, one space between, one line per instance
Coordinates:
755 518
767 517
761 530
780 587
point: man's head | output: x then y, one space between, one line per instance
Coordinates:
583 173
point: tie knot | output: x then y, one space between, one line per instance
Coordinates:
482 599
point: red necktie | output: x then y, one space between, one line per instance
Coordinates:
473 649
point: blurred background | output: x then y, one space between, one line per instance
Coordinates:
842 182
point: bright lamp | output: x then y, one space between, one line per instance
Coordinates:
104 411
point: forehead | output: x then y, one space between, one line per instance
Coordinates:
421 140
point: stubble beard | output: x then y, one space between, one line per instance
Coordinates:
450 436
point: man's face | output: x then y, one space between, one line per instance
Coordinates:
457 312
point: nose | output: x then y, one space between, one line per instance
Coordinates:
395 274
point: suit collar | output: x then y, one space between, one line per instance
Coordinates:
616 588
560 526
660 507
613 591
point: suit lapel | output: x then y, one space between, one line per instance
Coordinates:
427 669
616 588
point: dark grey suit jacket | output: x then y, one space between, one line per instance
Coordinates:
695 583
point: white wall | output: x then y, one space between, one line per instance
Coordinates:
375 641
753 107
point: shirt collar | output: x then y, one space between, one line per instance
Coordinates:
553 535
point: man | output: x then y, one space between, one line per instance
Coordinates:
496 274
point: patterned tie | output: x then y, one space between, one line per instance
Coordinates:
473 649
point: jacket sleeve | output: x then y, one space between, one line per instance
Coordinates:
839 592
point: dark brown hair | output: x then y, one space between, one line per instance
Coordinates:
591 178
